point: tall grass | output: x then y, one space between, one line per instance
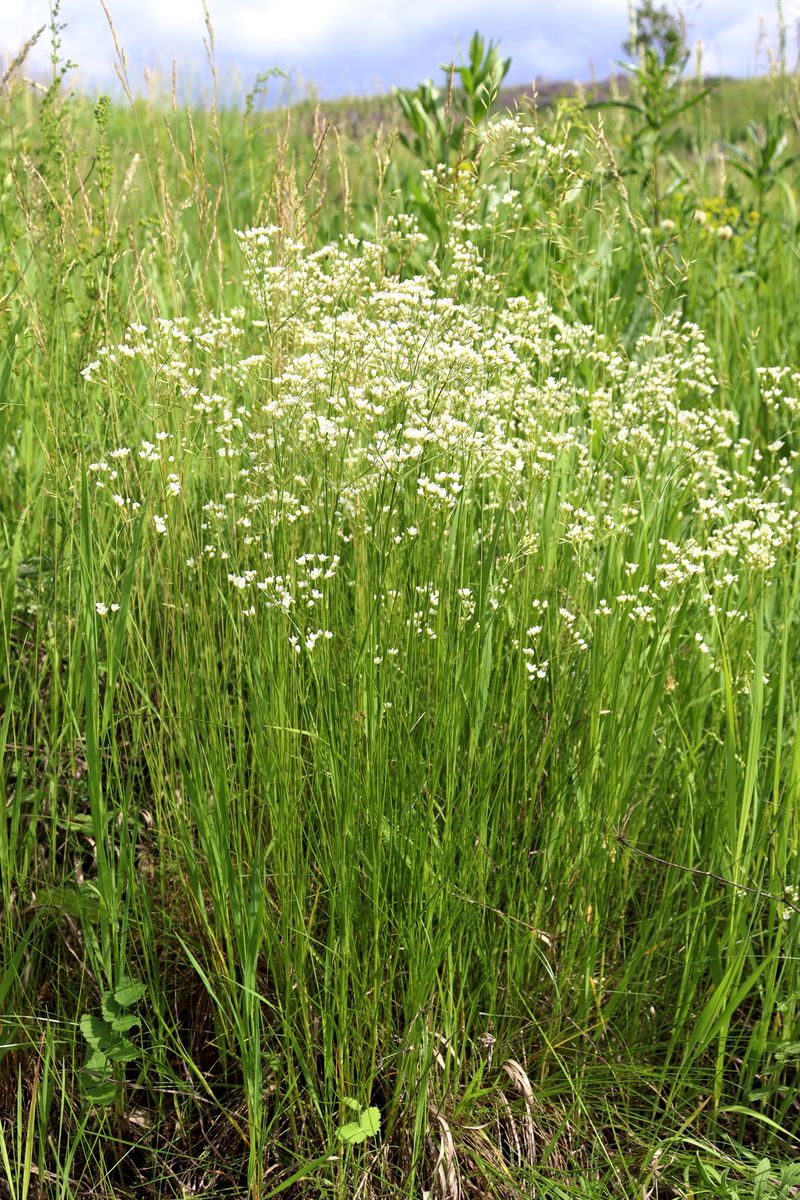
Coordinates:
399 618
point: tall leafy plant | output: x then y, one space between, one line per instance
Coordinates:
657 97
764 162
443 123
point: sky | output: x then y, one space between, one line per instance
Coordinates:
349 47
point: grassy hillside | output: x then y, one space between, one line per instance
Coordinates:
400 599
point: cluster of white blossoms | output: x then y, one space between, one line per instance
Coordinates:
515 134
358 417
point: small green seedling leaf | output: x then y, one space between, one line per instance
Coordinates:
761 1179
367 1125
371 1121
351 1134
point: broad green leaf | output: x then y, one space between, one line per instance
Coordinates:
117 1019
97 1090
368 1124
128 992
96 1061
371 1121
100 1036
351 1134
96 1031
122 1050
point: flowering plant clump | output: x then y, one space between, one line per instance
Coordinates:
351 413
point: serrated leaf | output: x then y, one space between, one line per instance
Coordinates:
99 1091
351 1134
122 1050
114 1015
371 1121
102 1038
128 992
125 1024
367 1126
109 1008
98 1033
95 1061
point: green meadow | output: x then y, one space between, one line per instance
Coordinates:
399 614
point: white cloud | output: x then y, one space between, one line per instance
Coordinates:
346 44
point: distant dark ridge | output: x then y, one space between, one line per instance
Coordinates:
549 91
357 115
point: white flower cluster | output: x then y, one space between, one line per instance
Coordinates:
514 133
366 413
